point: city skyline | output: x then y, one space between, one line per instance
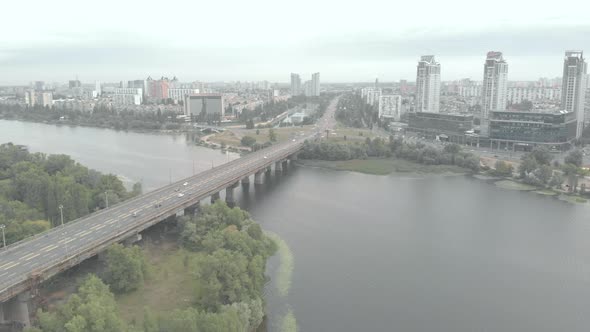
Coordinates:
84 45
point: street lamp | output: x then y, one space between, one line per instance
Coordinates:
106 199
61 212
3 238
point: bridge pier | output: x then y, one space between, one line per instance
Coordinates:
278 167
229 194
246 180
258 179
214 198
285 163
16 310
193 209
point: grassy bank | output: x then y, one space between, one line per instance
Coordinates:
169 285
383 166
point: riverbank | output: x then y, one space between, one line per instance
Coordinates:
383 166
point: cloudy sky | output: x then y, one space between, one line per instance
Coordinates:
112 40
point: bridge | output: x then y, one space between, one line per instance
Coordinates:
24 265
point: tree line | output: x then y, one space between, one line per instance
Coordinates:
34 185
451 154
101 116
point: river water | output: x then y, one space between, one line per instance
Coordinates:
382 253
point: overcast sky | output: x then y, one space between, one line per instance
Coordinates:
112 40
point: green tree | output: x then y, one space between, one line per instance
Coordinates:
272 135
126 268
248 141
575 157
92 309
542 155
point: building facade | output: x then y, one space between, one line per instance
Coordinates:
551 127
38 98
295 84
207 105
428 85
128 96
390 107
494 89
517 95
315 84
178 94
574 86
454 126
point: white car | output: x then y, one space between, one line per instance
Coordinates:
180 194
265 157
135 214
294 140
184 184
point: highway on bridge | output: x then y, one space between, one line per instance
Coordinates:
49 253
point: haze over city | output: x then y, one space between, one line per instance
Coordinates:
263 40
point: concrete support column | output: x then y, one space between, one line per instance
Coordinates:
2 320
17 309
278 167
294 156
268 169
285 163
246 180
258 178
214 198
229 195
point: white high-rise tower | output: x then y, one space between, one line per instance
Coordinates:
573 89
494 91
428 85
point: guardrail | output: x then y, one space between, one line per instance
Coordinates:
17 284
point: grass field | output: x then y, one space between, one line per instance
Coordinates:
169 285
234 137
382 166
513 185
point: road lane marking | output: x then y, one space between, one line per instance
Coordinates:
85 233
111 221
100 226
80 232
69 240
33 256
25 256
11 265
49 247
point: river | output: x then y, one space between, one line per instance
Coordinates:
382 253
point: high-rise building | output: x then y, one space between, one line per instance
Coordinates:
98 88
75 84
574 86
428 85
39 85
295 84
39 98
494 89
390 107
158 89
315 84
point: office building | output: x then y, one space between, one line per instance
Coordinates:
446 126
128 96
494 89
428 85
390 107
574 86
516 95
539 127
206 105
178 94
295 84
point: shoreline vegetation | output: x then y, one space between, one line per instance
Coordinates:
208 276
536 173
